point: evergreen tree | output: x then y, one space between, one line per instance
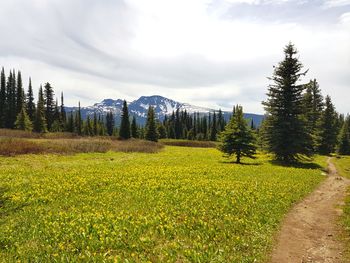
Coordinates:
134 130
40 121
344 138
178 126
88 128
63 115
213 130
328 131
221 121
101 126
161 131
22 121
78 121
95 125
11 109
49 105
312 107
110 123
57 125
19 94
124 132
151 128
237 138
30 102
286 132
70 122
2 98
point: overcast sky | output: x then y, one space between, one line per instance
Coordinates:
212 53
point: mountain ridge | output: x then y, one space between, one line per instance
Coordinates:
163 106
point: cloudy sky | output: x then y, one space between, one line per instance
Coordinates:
212 53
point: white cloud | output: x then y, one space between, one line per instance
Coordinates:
336 3
192 51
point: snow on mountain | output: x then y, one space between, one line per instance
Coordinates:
138 108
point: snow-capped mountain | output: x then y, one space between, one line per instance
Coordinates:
138 108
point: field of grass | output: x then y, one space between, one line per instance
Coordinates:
180 204
343 166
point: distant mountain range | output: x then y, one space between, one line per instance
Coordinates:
162 106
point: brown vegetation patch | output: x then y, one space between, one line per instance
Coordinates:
17 146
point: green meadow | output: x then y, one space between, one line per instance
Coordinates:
178 205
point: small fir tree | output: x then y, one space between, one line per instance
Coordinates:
22 121
237 138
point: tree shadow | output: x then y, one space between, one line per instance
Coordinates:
6 207
302 165
241 163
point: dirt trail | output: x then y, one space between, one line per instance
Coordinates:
310 232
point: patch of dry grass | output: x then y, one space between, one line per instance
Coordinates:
17 146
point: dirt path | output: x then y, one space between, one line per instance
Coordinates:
310 232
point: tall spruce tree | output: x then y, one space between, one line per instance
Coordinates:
95 125
151 127
50 105
213 129
40 121
221 121
313 107
286 132
2 98
134 129
19 93
237 138
327 137
78 121
124 131
30 101
344 138
11 109
70 122
110 123
63 115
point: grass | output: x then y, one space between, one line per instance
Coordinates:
181 204
17 146
343 166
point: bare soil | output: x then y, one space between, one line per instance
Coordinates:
310 232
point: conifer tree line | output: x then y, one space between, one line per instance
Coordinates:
18 110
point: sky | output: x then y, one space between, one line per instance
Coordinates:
211 53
